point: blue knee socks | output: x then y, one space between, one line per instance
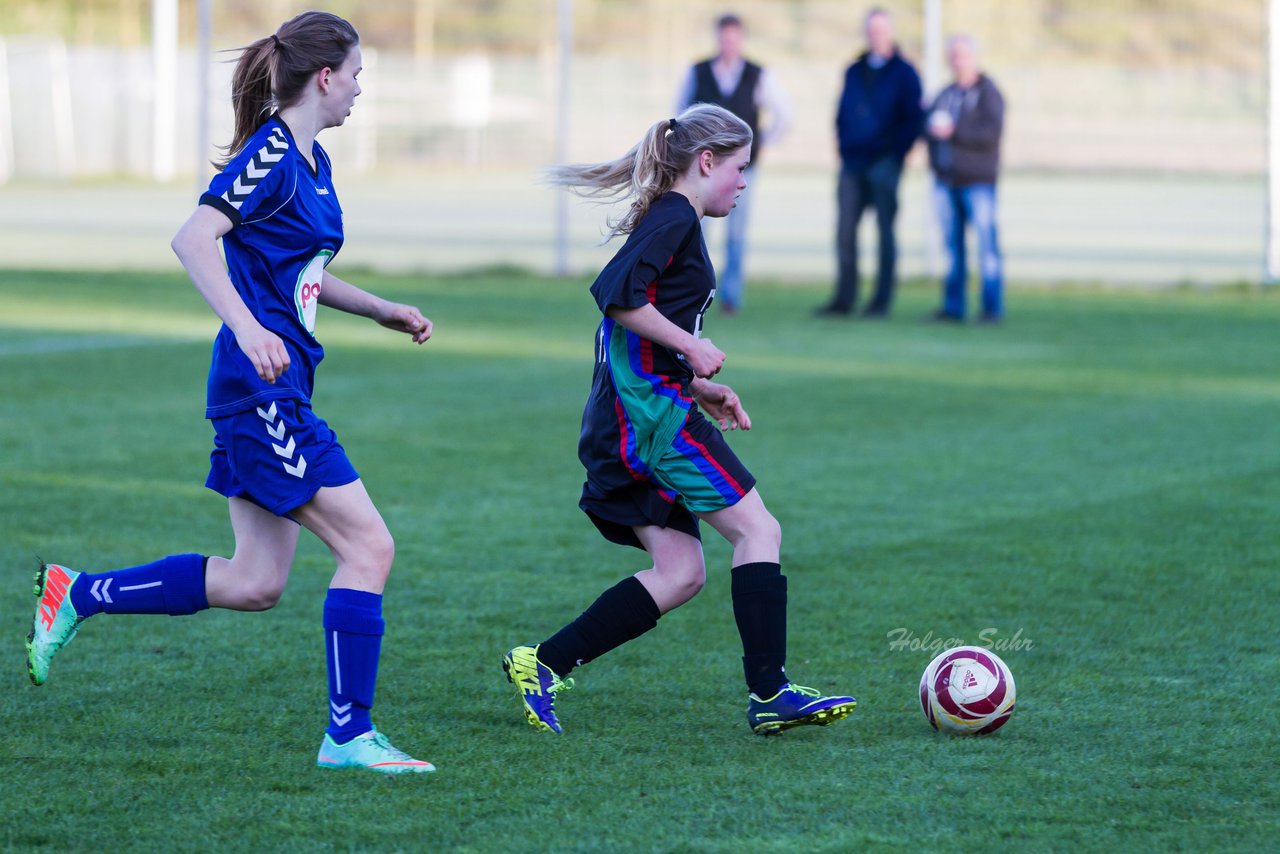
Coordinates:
173 585
353 628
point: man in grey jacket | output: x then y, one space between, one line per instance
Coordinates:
964 128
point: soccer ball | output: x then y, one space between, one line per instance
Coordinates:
967 690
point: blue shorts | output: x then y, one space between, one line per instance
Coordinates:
277 456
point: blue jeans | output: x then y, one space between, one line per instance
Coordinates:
731 280
957 208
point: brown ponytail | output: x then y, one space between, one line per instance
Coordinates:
272 72
653 165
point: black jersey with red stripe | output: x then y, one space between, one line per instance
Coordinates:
639 393
664 263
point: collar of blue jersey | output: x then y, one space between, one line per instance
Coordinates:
293 143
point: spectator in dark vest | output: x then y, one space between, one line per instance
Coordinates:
879 119
746 90
965 124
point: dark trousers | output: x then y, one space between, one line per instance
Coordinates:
876 186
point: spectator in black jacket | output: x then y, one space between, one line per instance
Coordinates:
879 119
965 124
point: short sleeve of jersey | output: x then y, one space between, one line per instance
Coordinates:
625 281
254 182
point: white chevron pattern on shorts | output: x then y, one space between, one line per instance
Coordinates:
287 450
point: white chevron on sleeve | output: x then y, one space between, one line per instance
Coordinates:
254 173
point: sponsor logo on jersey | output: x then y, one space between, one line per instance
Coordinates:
306 293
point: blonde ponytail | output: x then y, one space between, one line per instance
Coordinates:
653 165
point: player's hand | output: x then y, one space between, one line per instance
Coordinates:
265 350
704 358
404 318
722 405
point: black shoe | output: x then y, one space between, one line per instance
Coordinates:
831 310
989 319
875 314
941 316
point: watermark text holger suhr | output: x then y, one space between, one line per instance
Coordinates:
902 638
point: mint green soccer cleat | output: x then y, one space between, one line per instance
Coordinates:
371 750
537 684
795 706
55 622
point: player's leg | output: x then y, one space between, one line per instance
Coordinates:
714 483
345 520
679 570
253 578
632 606
176 585
759 591
620 614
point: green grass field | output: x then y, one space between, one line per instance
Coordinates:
1100 477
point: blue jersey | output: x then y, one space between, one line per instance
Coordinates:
286 226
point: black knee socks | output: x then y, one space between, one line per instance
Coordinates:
623 612
760 609
626 611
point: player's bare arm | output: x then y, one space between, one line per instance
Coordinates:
720 403
196 245
344 296
646 321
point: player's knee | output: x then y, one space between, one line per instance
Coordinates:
693 580
689 579
377 551
262 596
385 550
764 530
773 531
680 578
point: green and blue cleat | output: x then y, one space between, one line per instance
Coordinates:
372 751
537 685
55 622
795 706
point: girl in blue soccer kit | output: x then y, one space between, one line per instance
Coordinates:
655 465
276 211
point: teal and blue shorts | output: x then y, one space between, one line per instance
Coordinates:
698 473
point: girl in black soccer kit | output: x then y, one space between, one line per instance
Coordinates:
655 465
